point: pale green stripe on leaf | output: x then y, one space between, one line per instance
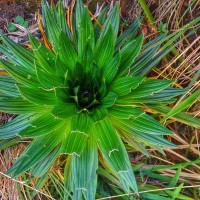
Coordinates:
128 34
8 87
108 100
64 110
114 152
129 127
24 56
149 87
84 170
128 54
66 51
46 163
37 95
110 69
20 74
113 20
51 26
37 150
20 106
85 32
15 126
41 125
104 49
43 55
74 143
81 123
124 85
6 143
123 112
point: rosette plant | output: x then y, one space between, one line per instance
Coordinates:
82 93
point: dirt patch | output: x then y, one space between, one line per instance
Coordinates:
9 9
8 13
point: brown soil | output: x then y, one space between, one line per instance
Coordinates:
9 9
8 13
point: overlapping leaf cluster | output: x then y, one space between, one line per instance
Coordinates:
81 93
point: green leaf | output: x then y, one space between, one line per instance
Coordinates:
66 51
128 54
86 58
37 150
166 48
43 55
128 34
110 70
105 42
74 143
14 127
41 125
98 114
45 164
64 110
181 117
85 31
61 19
165 96
153 62
140 121
48 81
20 106
79 12
108 100
20 74
175 179
81 123
154 139
151 196
147 53
37 96
130 140
7 86
123 112
6 143
19 20
177 191
63 94
84 171
101 19
149 125
149 87
113 20
129 127
123 85
108 176
51 26
68 183
21 55
114 152
5 51
183 105
11 26
25 24
76 139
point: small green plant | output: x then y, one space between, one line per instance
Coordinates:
18 20
83 95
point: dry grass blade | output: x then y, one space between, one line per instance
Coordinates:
46 42
147 191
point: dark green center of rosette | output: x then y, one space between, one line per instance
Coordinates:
85 88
